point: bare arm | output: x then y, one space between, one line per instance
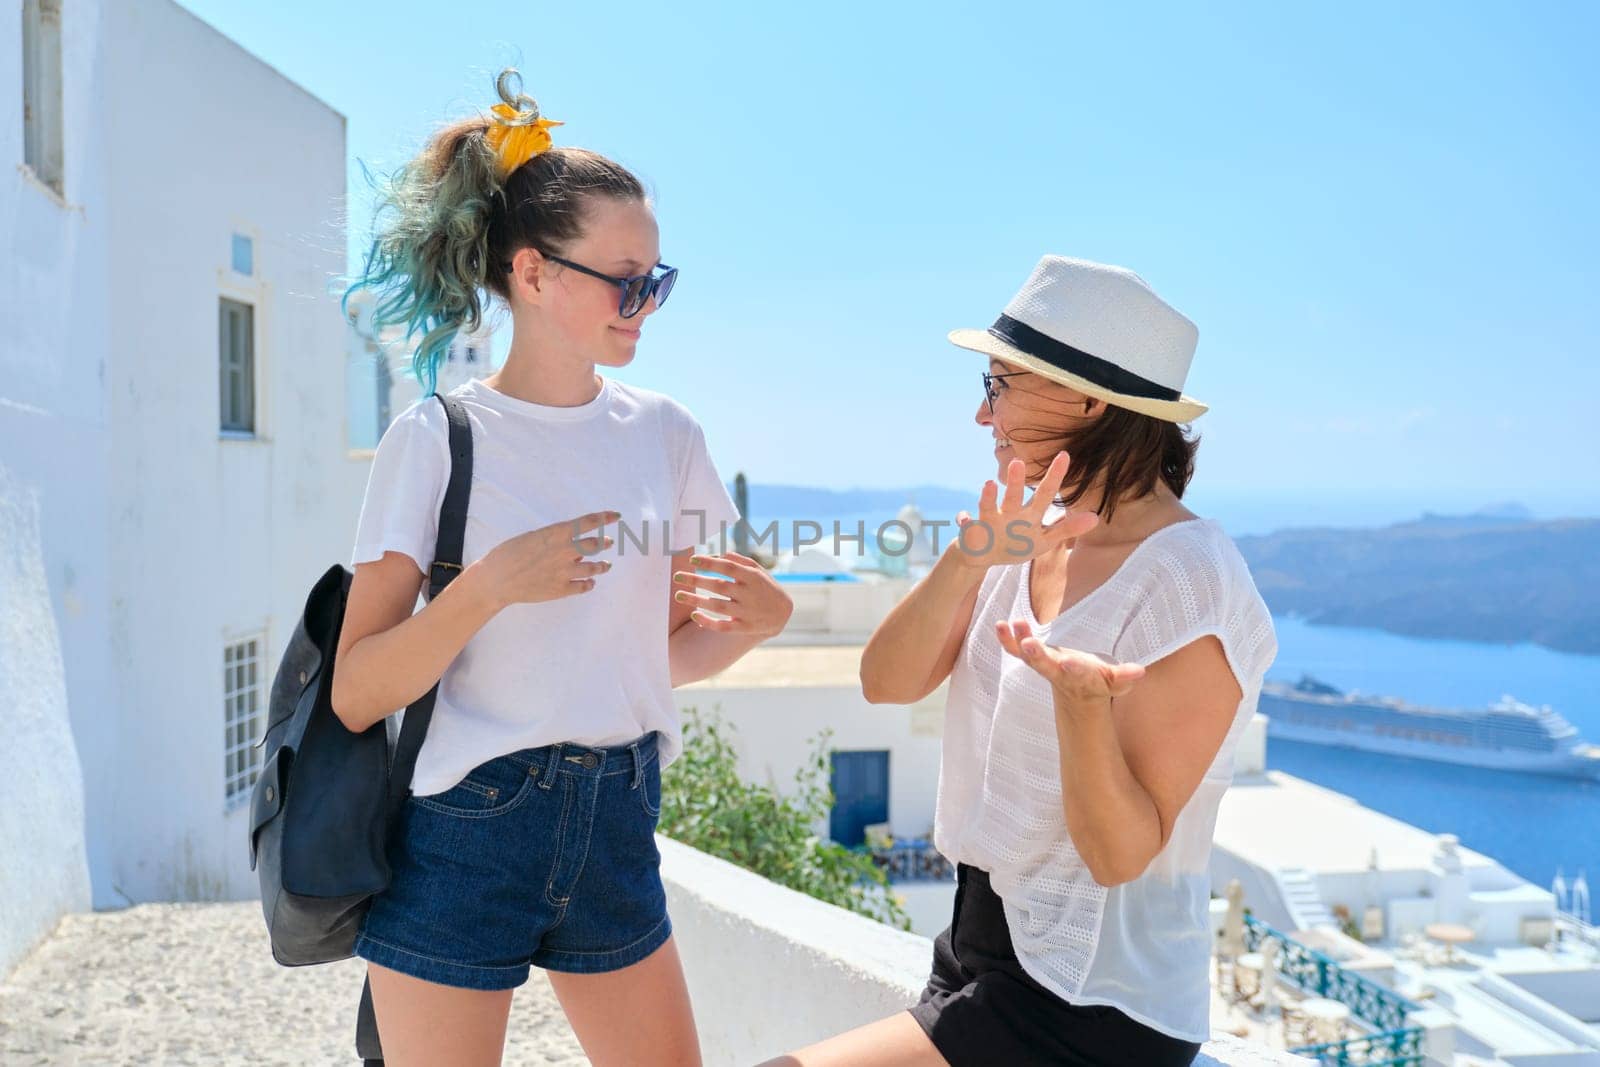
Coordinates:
389 657
914 649
1135 743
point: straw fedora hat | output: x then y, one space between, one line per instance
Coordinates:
1100 330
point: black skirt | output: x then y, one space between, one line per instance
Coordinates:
981 1008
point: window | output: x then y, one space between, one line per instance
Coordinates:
241 717
41 91
244 255
237 359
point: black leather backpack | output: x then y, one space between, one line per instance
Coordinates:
325 802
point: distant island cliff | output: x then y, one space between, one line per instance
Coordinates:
1495 578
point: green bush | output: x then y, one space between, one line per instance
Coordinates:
706 805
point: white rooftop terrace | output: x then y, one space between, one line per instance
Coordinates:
1512 999
1265 819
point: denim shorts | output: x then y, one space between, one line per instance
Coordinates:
544 858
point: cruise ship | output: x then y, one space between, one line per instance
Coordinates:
1507 736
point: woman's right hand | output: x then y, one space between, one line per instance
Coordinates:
1009 531
549 563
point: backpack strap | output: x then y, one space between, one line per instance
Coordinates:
451 545
447 554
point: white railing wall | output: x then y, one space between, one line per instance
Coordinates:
771 970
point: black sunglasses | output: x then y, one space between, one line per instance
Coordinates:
990 391
636 289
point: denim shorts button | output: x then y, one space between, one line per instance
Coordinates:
591 761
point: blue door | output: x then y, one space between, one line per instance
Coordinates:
860 795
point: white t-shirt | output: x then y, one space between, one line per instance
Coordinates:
1144 946
590 668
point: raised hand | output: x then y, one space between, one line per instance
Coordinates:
551 562
745 592
1009 531
1076 677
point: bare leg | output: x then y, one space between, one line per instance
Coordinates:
424 1024
897 1041
634 1017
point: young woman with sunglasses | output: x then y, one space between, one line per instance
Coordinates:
1103 662
529 837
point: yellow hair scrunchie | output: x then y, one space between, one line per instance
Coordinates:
515 142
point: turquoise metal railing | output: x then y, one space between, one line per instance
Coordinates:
1392 1048
1393 1045
1319 975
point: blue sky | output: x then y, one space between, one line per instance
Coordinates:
1382 217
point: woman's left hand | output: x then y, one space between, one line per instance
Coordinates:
746 593
1078 678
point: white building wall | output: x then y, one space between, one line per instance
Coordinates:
211 539
135 539
775 727
43 869
469 356
844 613
1574 990
380 382
53 482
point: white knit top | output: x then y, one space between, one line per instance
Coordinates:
1143 946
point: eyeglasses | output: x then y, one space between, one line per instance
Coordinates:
990 391
636 289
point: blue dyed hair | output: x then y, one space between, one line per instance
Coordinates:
447 223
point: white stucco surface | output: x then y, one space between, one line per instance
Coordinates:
138 539
52 488
43 870
212 539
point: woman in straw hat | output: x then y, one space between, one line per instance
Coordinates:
1105 648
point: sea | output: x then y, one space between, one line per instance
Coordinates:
1531 824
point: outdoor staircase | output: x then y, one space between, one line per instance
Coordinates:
1301 897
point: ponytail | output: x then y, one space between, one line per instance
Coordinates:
448 221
